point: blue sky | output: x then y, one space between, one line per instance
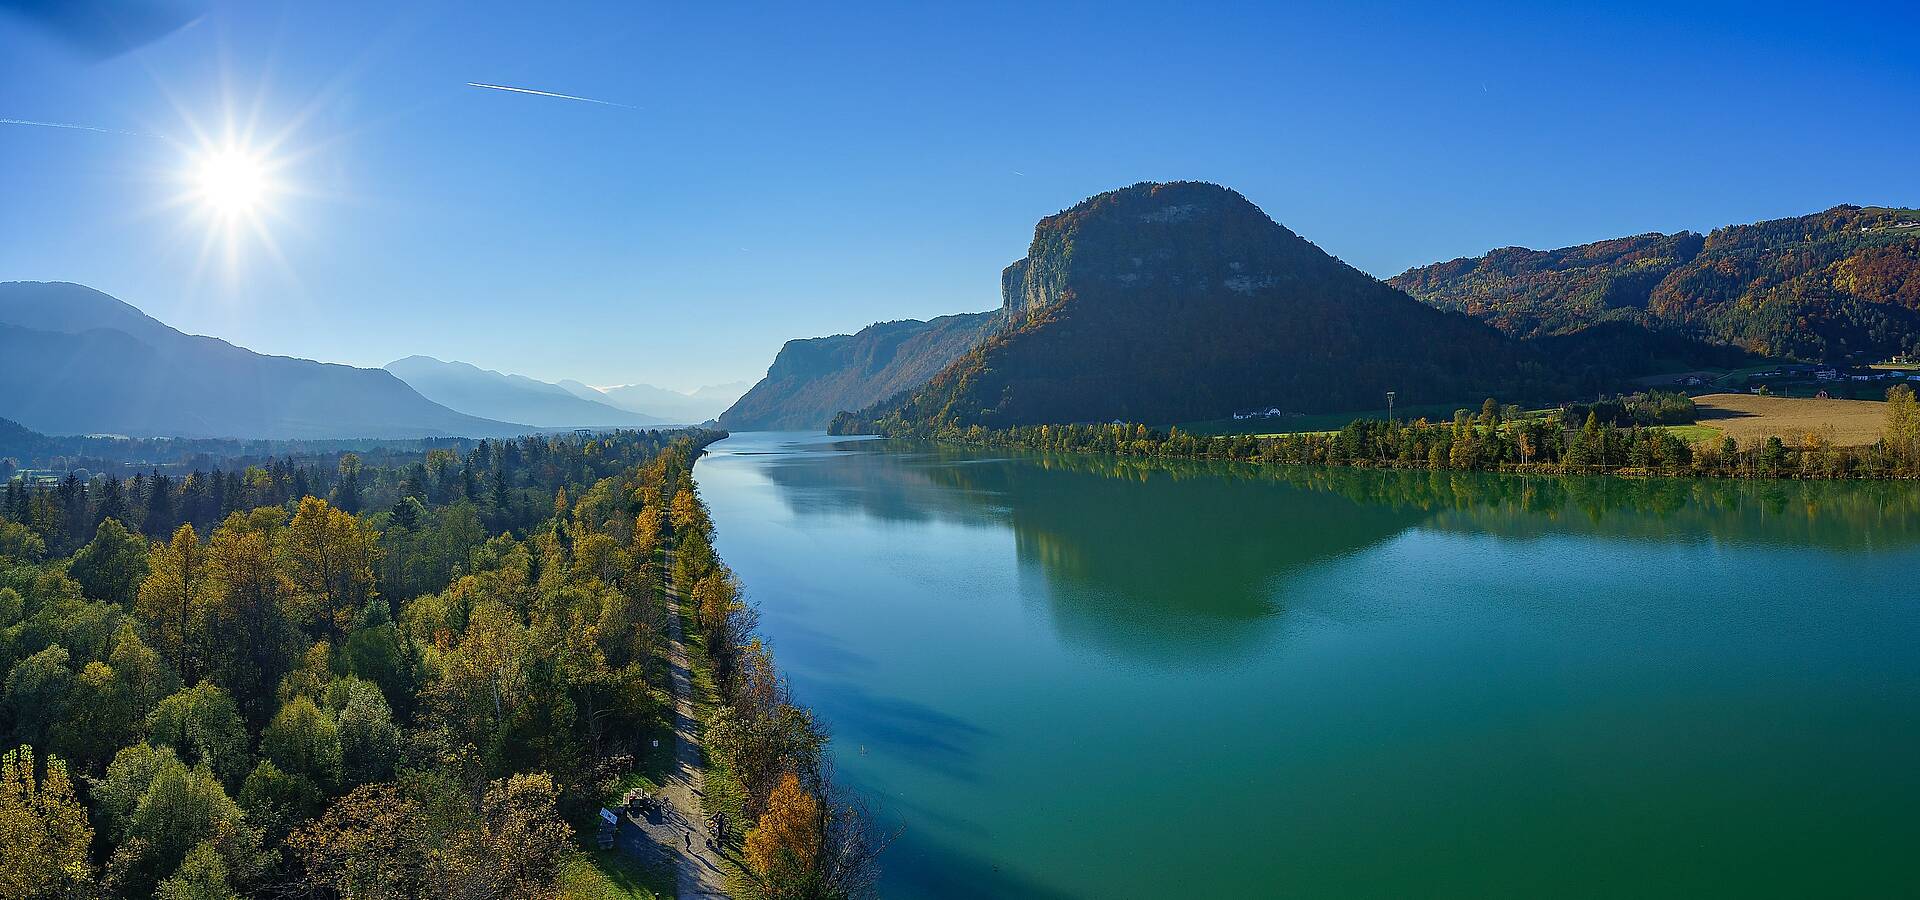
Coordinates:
792 170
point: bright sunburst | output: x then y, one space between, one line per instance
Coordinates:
232 188
231 182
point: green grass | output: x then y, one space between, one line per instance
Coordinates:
611 875
1694 434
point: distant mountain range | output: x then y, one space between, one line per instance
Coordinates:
1840 285
484 392
702 404
1159 303
1167 303
813 378
76 361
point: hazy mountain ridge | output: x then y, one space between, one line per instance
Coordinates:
812 379
1178 302
76 361
1828 286
495 395
704 403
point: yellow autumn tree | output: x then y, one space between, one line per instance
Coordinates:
43 831
783 851
173 601
1902 431
331 557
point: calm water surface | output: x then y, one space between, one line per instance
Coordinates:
1077 676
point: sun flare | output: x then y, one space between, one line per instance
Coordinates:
231 182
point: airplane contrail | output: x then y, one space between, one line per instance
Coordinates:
72 126
521 90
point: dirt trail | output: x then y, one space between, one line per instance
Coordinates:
681 827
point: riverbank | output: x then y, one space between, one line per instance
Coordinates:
1486 443
759 800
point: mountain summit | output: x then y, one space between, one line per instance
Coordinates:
1167 303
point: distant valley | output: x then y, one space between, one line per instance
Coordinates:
700 405
517 398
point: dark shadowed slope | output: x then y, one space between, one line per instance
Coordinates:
814 378
1165 303
76 361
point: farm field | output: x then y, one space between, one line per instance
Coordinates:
1748 418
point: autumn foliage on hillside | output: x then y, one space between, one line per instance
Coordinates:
1829 286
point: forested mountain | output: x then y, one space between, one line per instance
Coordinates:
1836 285
75 361
1604 354
1167 303
513 398
814 378
672 406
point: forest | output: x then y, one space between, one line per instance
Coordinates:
1838 285
417 679
1622 436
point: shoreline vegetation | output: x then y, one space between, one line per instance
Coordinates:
421 677
1639 436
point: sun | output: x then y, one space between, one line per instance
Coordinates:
231 182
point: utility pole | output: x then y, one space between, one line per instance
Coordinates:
1390 407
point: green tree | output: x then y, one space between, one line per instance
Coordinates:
19 543
368 738
304 740
38 691
102 715
203 875
112 566
202 725
346 492
278 802
180 809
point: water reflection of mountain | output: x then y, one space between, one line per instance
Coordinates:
1160 561
1178 560
1843 516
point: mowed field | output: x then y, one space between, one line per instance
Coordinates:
1748 418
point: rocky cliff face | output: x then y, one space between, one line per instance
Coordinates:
813 378
1167 303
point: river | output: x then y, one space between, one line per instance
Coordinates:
1090 677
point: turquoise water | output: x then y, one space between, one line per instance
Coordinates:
1077 676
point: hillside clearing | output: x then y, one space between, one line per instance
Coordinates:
1748 418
